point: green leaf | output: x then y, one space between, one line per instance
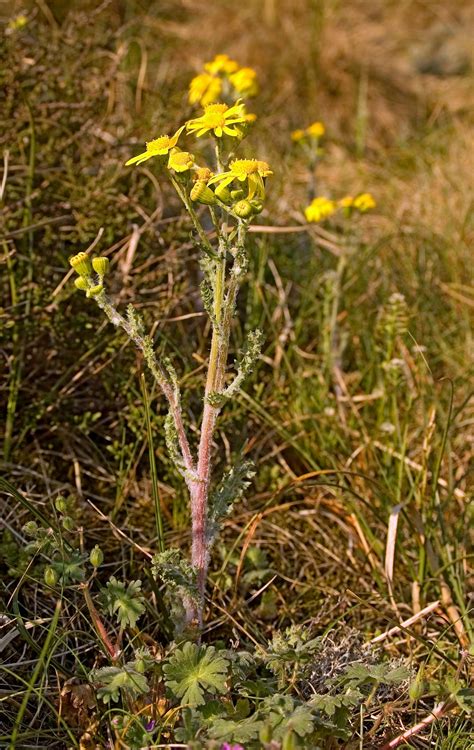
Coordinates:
126 603
283 716
175 571
231 489
193 670
236 731
112 680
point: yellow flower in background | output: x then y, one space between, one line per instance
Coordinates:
316 130
364 202
297 135
220 119
180 161
221 64
159 147
320 208
244 81
204 89
16 23
251 171
347 201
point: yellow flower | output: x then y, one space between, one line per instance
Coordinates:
220 119
245 81
316 130
347 201
364 202
180 161
204 89
159 147
203 174
221 64
251 171
297 135
319 209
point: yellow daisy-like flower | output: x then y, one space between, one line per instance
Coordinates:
220 119
245 81
180 161
320 208
364 202
251 171
316 130
221 64
159 147
204 89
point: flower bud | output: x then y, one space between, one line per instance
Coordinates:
243 209
60 504
257 206
96 556
101 265
81 264
265 733
94 291
223 193
201 193
289 741
50 577
81 283
237 195
68 523
30 528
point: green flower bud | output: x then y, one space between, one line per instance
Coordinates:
140 665
101 265
50 577
81 264
243 209
257 206
201 193
94 291
237 195
223 193
81 283
68 523
265 734
418 687
30 528
60 504
96 556
289 741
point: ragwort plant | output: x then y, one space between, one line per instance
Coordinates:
233 191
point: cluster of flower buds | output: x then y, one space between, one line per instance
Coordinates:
90 273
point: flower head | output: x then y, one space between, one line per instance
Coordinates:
159 147
220 119
180 161
251 171
364 202
204 89
320 208
244 81
316 130
203 174
221 64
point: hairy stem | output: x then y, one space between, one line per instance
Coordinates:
161 378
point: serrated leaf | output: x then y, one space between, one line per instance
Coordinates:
232 487
283 716
175 571
193 670
112 680
125 602
235 731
